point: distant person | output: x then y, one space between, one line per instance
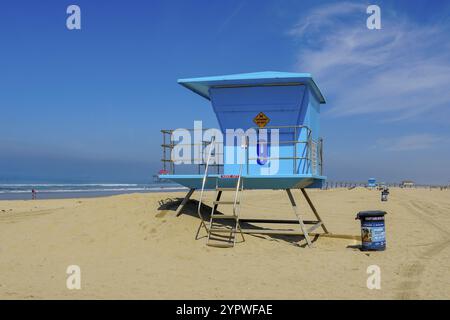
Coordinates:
33 194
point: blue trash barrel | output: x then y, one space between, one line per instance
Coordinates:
373 233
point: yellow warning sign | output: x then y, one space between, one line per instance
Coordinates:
261 120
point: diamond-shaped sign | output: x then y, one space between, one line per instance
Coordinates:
261 120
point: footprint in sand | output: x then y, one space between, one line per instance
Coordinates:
161 214
413 270
412 274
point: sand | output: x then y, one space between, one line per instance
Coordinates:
133 247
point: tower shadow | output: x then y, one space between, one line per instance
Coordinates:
191 209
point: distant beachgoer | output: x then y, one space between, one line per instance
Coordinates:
33 194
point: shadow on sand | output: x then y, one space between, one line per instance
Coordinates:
191 207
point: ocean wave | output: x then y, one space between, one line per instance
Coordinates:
16 185
162 188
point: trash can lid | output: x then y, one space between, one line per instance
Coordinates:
373 213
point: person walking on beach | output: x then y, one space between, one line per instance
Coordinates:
33 194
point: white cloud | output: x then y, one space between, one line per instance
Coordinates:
411 142
324 16
402 70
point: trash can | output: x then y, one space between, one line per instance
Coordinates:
373 233
384 195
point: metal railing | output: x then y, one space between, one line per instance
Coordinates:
311 155
306 159
168 146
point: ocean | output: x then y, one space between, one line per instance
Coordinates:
19 191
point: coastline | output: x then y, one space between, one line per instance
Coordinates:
73 191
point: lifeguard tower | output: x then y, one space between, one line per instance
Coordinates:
288 103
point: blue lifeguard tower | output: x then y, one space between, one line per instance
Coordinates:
281 148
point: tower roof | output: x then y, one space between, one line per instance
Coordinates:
202 85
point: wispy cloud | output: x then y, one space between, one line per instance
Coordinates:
420 141
402 70
324 16
230 17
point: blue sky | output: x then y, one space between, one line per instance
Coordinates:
87 105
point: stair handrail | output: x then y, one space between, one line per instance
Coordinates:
205 176
238 185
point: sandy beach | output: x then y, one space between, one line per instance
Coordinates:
134 247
